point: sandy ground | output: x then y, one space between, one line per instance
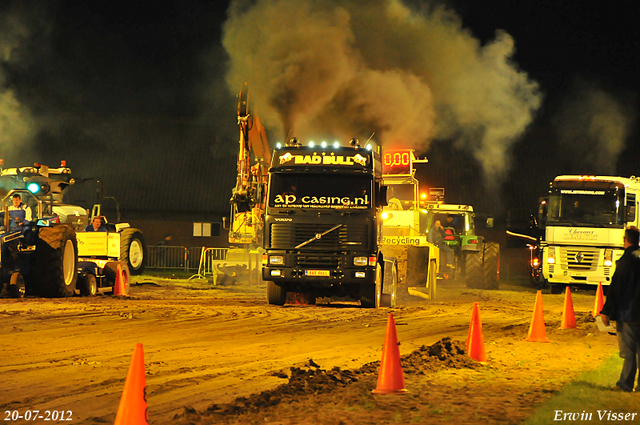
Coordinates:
205 346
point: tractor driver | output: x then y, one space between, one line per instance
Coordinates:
19 213
96 225
452 222
436 237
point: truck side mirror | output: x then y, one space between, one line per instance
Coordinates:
381 201
631 212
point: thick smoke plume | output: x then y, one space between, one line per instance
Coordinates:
17 126
329 68
592 127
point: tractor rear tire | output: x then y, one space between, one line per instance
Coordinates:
133 250
491 265
276 294
57 261
474 272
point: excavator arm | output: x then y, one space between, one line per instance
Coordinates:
254 158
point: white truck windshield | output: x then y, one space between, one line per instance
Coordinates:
586 207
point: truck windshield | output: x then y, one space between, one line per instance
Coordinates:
401 196
315 191
585 208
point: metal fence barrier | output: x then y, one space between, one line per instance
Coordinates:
178 257
219 264
224 265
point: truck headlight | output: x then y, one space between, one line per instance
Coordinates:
276 260
360 261
608 257
551 256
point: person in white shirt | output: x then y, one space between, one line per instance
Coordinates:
19 213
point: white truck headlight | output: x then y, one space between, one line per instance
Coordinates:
360 261
276 260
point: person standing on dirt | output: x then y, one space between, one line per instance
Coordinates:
623 306
96 225
436 237
19 213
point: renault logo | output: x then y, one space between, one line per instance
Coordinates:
579 257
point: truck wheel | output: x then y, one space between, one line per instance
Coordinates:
110 271
57 261
276 294
16 286
88 285
133 250
491 265
370 294
474 273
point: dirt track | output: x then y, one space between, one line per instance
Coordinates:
207 345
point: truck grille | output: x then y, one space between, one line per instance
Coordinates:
326 260
290 235
580 259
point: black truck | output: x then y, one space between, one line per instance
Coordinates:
322 225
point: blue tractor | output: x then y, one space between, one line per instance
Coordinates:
38 255
44 249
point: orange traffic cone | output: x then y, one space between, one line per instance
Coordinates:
598 303
390 378
475 339
119 288
133 403
537 330
568 315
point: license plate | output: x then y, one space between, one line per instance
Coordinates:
317 273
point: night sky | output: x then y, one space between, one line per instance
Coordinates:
135 94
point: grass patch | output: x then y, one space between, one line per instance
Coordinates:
590 393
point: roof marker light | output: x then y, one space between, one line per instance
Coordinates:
323 144
369 147
311 144
336 145
278 145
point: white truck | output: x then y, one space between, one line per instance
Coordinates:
585 220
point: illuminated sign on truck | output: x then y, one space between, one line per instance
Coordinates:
324 159
397 161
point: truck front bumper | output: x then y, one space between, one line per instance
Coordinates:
569 277
320 277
